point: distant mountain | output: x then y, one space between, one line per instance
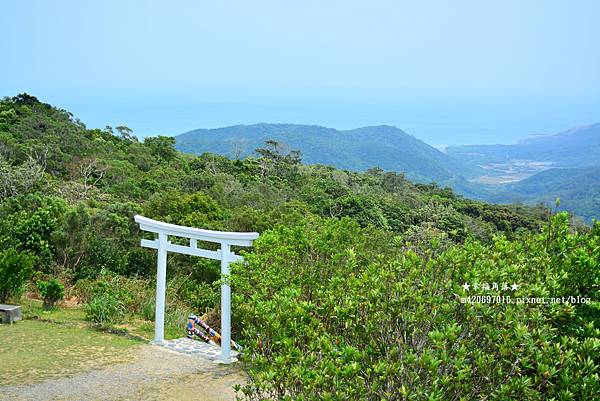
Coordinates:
577 147
540 169
359 149
578 190
534 170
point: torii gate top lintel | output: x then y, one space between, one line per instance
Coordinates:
224 254
200 234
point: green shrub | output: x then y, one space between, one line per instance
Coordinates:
195 210
83 290
148 310
16 268
198 295
105 308
330 311
52 291
112 298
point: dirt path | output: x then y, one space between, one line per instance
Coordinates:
152 374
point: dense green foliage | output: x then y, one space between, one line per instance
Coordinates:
333 311
105 307
15 271
353 289
51 291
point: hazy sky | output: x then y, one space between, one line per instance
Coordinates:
448 72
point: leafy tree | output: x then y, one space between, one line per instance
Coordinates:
16 268
275 160
126 133
25 99
29 223
162 147
21 179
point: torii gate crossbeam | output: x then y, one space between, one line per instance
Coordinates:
224 254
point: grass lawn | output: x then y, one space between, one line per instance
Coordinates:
59 343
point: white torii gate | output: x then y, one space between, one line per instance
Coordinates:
163 245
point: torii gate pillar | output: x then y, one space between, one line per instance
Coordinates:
224 254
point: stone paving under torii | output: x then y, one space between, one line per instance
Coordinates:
187 346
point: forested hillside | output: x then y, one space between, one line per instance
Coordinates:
355 288
486 172
541 169
577 189
359 149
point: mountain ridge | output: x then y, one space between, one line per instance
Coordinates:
359 149
575 147
533 170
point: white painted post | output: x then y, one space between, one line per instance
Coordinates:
161 281
225 305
